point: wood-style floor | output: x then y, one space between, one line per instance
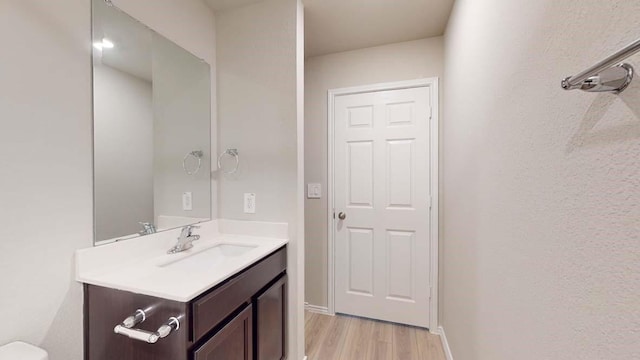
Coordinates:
351 338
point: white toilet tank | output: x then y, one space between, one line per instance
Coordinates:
22 351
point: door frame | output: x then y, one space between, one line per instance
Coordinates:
432 83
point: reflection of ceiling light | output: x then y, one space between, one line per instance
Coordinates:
104 44
107 44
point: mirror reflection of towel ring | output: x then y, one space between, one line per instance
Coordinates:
230 152
197 154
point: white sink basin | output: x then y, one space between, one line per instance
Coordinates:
209 258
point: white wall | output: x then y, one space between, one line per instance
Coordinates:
541 186
45 156
257 107
257 63
389 63
45 182
123 151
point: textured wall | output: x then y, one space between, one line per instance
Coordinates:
46 192
541 186
389 63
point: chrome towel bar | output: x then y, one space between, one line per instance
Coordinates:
609 75
126 328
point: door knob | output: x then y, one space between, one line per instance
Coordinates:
342 216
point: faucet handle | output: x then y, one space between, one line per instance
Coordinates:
186 231
192 227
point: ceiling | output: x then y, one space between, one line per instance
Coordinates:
132 53
340 25
218 5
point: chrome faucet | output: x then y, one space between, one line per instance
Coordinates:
186 239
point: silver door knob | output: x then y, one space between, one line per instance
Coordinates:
342 216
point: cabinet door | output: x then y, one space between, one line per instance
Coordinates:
233 342
270 318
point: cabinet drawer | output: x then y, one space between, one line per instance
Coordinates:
215 306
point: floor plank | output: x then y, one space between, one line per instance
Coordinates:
357 340
334 338
405 345
351 338
381 345
429 345
315 329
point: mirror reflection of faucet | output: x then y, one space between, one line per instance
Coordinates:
147 228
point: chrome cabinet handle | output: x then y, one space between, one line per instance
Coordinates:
135 319
126 328
342 216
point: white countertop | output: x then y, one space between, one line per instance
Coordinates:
139 265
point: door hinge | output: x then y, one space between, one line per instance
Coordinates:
430 113
430 202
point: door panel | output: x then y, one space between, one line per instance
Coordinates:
400 265
360 173
233 342
361 261
360 117
382 184
271 321
399 174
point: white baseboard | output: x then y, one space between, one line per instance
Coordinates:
317 309
445 343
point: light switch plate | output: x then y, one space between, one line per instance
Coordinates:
314 191
250 203
187 201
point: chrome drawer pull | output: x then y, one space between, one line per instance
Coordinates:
173 324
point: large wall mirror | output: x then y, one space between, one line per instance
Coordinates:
152 129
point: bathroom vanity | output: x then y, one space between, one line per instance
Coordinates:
225 298
241 317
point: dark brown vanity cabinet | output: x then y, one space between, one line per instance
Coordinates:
270 314
243 318
233 342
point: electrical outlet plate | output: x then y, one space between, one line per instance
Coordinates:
250 203
187 201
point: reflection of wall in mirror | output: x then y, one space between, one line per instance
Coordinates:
123 152
182 121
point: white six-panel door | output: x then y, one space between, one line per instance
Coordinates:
382 189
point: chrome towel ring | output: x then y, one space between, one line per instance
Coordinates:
230 152
197 154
